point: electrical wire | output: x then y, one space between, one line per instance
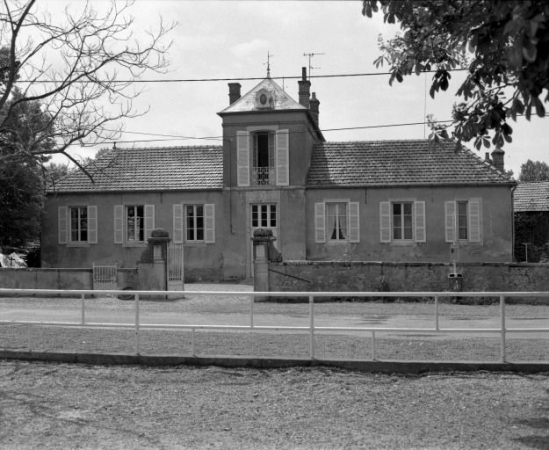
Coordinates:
200 80
171 137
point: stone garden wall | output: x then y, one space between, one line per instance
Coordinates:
399 277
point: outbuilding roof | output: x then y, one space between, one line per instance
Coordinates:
531 197
403 162
150 169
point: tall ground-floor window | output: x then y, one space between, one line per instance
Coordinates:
79 223
194 219
336 221
135 223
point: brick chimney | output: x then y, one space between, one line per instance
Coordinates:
497 159
314 105
234 92
304 88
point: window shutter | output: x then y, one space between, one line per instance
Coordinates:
209 223
62 224
450 220
320 222
474 221
282 158
178 223
118 224
92 224
384 221
419 222
149 220
354 222
243 158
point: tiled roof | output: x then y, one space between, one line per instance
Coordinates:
391 163
148 169
247 103
532 197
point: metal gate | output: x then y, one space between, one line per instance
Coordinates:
175 267
105 276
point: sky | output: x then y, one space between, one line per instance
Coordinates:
231 39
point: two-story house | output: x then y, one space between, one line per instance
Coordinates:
402 200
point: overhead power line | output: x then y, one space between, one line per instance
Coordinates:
171 137
198 80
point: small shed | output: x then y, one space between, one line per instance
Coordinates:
531 210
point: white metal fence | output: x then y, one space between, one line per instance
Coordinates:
313 330
105 276
175 267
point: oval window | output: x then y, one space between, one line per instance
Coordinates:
263 99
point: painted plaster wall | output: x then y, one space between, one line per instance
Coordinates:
197 255
496 225
300 140
291 226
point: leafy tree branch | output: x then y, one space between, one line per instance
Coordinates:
504 45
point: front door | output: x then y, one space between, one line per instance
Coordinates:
265 216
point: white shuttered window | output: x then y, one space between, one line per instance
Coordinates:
402 221
463 220
243 158
77 224
337 221
194 223
282 158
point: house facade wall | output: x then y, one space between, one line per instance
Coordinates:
301 140
200 257
228 258
496 228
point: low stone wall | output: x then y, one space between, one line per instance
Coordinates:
338 276
78 279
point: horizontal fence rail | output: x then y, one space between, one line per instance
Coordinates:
137 325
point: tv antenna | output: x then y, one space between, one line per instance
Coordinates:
310 55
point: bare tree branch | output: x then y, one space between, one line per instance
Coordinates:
70 63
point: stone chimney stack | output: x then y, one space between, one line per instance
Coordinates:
234 92
304 88
314 106
497 159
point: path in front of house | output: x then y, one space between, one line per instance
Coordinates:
126 315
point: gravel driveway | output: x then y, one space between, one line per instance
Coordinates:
59 406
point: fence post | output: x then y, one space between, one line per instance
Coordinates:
312 325
137 324
252 300
83 309
373 345
502 309
436 313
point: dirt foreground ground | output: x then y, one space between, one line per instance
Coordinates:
60 406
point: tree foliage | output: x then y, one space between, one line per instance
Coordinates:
21 179
504 45
81 65
534 171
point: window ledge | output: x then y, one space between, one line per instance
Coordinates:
134 244
78 244
338 242
405 243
